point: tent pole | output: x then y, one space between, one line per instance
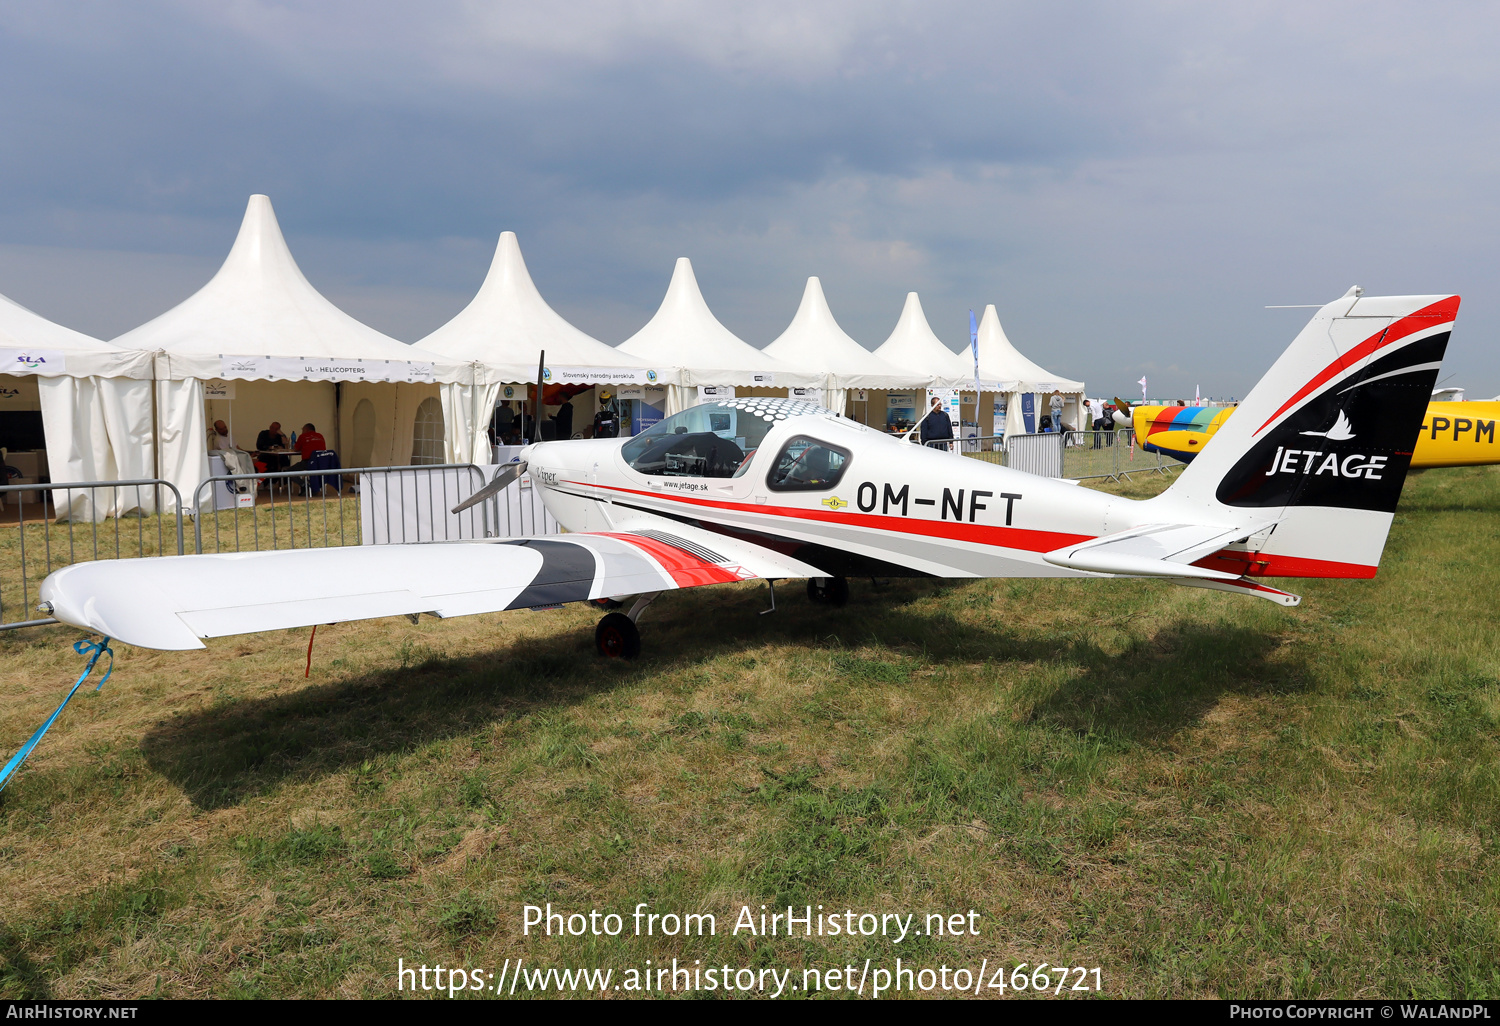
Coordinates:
155 425
536 406
474 416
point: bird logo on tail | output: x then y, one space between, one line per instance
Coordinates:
1341 431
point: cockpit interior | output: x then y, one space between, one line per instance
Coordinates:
720 439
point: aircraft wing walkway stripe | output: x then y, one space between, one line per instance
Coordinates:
687 570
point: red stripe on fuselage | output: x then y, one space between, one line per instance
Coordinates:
686 569
1244 563
1000 537
1428 317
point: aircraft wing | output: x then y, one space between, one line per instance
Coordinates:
171 602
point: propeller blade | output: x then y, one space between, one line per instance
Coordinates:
495 487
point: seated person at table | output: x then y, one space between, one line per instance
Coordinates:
272 438
220 440
309 442
236 461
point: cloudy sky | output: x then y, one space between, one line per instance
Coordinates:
1130 184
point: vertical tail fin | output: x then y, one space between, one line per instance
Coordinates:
1322 444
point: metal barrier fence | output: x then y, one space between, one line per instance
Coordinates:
1039 454
1111 454
989 449
44 527
388 506
57 525
1075 455
310 520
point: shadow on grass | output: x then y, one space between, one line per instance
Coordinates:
224 755
1170 681
20 976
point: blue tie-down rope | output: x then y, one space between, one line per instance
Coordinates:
82 647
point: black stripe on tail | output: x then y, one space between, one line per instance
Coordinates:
1348 447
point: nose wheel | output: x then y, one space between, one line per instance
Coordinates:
828 591
617 637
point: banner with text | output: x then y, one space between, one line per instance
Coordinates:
317 368
599 376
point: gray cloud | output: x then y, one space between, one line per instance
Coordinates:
1130 185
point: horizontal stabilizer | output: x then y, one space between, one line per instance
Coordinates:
1156 550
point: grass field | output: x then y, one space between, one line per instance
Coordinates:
1200 794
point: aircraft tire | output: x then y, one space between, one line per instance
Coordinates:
831 591
616 637
838 592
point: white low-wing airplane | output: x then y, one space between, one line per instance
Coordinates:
1301 482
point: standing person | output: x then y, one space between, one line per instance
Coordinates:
1107 423
562 420
937 425
1056 405
504 422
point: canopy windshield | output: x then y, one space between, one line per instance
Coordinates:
714 439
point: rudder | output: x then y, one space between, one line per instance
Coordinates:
1323 442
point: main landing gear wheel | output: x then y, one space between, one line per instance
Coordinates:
833 591
617 637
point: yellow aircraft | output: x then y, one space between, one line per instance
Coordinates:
1453 434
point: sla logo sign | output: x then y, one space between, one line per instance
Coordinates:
29 361
1314 463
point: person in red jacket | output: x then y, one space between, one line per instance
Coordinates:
309 442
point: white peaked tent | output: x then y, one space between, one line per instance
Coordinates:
913 347
815 341
276 349
684 333
502 331
95 401
1015 375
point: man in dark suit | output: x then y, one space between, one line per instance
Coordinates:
563 420
937 425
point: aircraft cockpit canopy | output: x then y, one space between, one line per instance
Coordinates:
713 439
